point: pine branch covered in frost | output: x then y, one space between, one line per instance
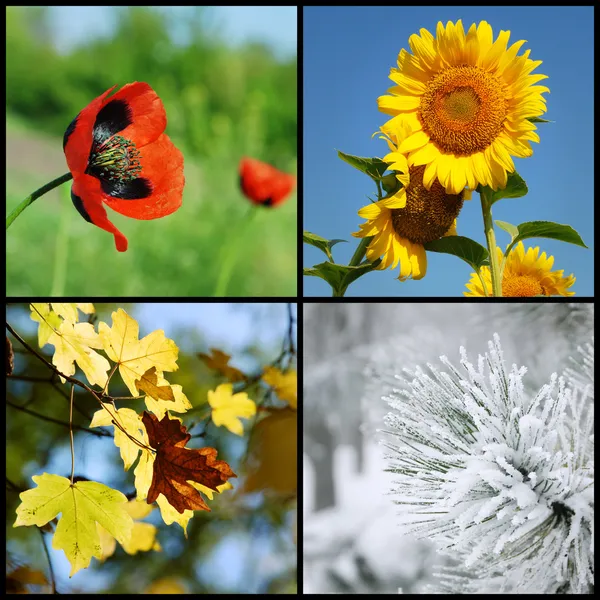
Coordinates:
582 373
501 478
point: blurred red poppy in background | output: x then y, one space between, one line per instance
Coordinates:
118 154
263 184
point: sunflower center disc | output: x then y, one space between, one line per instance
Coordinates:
117 158
522 286
463 109
428 214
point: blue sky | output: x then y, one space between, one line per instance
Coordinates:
274 25
348 52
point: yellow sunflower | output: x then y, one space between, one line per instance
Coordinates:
468 99
401 224
526 274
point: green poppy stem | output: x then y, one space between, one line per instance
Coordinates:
230 253
488 226
29 200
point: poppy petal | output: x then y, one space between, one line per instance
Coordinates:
146 116
87 198
263 184
77 141
162 169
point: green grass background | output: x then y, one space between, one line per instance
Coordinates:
222 103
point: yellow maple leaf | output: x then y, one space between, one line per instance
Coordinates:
284 384
82 505
208 492
86 307
272 462
144 471
135 356
131 422
166 585
48 321
180 405
228 408
73 343
50 316
143 535
160 395
149 384
170 515
67 310
219 361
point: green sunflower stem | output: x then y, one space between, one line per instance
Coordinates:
228 261
488 226
30 199
360 252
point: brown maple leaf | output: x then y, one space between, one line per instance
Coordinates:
175 465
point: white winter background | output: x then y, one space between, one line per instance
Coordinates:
354 540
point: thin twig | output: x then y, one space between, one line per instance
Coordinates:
13 486
71 432
112 372
53 581
291 329
98 432
62 392
74 381
30 378
49 364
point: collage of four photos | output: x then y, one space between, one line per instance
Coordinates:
299 300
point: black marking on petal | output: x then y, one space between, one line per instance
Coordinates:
111 119
70 130
268 202
78 204
127 190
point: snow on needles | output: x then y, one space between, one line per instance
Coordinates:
499 477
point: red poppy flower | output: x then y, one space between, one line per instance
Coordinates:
118 154
264 184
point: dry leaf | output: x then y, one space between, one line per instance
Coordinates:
175 465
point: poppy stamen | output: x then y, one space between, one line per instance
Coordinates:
117 158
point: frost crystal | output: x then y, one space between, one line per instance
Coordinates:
498 477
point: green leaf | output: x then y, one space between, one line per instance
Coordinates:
320 243
373 167
545 229
339 277
515 188
81 505
510 229
390 185
465 248
538 120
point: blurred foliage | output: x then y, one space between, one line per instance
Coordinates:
222 103
252 533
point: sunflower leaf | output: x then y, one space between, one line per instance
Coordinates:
538 120
512 230
320 243
515 188
339 277
545 229
390 184
465 248
373 167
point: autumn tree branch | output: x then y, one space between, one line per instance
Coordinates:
52 579
97 432
100 397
